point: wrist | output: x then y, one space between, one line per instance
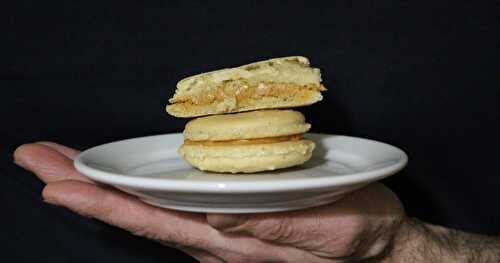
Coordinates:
406 239
416 241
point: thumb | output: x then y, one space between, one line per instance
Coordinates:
225 222
278 227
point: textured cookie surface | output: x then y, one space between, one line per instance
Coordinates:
246 125
247 158
275 83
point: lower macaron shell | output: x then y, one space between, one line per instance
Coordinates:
248 158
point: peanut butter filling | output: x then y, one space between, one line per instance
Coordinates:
240 90
294 137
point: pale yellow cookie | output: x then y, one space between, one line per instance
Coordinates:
247 158
275 83
246 125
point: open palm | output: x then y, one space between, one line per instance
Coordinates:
359 226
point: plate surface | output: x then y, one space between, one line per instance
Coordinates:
150 168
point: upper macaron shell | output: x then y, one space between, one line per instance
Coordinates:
278 83
246 125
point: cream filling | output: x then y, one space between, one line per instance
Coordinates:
242 91
267 140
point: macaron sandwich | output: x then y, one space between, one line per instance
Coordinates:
243 121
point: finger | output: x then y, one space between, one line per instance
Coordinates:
184 230
68 152
48 164
127 212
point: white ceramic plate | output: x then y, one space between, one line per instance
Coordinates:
150 168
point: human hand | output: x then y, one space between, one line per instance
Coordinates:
359 226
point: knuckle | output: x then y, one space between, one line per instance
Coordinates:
177 239
349 237
145 231
188 239
348 249
104 206
95 208
351 243
145 227
278 230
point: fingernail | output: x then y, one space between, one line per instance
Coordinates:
18 161
48 196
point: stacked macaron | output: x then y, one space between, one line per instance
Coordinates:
248 129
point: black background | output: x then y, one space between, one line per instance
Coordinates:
424 77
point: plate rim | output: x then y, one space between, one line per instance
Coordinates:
165 184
